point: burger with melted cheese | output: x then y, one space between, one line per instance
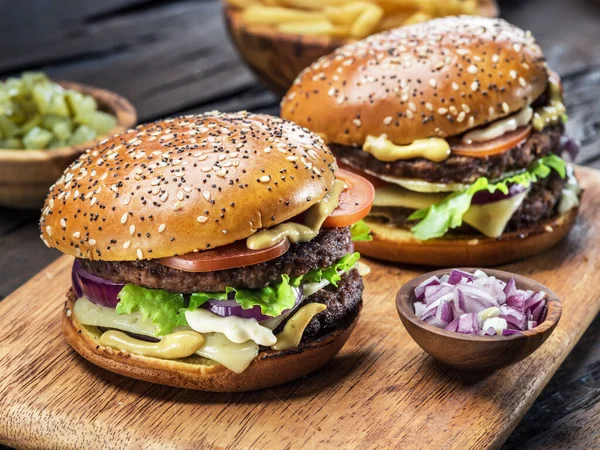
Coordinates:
213 252
459 124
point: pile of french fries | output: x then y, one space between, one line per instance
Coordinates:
350 19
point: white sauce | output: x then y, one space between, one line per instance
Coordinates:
500 127
570 193
236 329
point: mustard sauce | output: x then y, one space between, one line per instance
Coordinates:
294 328
433 149
296 232
172 346
552 113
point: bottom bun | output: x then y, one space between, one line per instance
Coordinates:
467 250
269 368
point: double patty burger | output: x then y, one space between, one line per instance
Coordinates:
212 252
459 124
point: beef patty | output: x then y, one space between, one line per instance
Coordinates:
325 249
540 204
458 169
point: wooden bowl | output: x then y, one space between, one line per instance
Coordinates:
26 175
477 353
277 58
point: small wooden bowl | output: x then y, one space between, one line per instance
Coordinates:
26 175
477 353
277 58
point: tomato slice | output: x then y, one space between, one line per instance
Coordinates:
226 257
355 201
493 146
376 182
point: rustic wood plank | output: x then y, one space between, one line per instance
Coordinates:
381 391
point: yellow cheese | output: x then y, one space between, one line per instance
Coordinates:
490 219
433 149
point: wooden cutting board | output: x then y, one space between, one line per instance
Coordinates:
381 390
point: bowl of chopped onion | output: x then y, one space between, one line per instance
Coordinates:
44 126
478 321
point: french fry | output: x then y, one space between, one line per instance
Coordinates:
366 22
395 20
317 28
345 14
418 17
313 4
274 15
241 4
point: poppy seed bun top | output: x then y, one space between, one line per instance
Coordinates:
185 184
433 79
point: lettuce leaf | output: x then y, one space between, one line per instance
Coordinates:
437 219
167 309
160 306
360 231
329 273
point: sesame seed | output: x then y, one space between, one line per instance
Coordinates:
387 120
522 82
410 114
124 218
265 179
126 244
432 82
162 227
513 74
77 235
63 223
132 230
140 254
202 219
505 108
206 195
455 86
357 122
474 86
177 206
126 200
472 69
442 111
49 230
92 242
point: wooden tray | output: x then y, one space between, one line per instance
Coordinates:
381 390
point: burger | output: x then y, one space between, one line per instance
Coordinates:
212 252
459 124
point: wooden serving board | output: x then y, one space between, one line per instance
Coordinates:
381 390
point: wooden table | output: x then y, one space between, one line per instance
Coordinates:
173 58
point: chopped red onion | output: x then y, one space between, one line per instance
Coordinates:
463 302
98 290
230 307
483 197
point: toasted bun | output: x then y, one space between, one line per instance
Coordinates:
433 79
399 245
269 368
179 185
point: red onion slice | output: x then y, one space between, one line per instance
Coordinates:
97 290
483 197
230 307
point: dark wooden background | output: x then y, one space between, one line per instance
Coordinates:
173 57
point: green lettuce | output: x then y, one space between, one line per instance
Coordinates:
162 307
437 219
272 300
167 310
360 231
330 273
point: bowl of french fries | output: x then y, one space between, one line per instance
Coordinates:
47 124
279 38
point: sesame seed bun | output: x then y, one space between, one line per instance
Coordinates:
434 79
180 185
399 245
269 368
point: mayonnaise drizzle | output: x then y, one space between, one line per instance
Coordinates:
500 127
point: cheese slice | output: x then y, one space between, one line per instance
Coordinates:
236 357
490 219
